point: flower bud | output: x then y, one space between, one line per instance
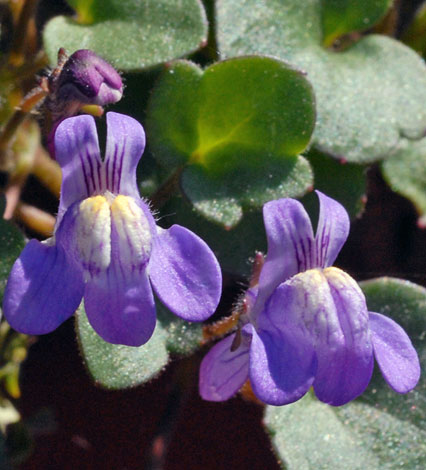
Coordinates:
88 79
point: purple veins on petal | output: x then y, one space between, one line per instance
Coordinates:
77 151
107 246
332 230
394 352
290 245
43 290
125 145
223 371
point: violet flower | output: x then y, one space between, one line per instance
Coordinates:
107 247
307 323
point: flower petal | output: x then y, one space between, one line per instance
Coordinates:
120 305
43 290
282 356
185 273
282 367
344 349
223 372
77 152
124 148
332 231
394 353
291 247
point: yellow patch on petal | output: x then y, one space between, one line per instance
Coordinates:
340 279
312 295
132 226
93 233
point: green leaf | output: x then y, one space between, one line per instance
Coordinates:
237 128
308 435
405 172
381 430
131 34
12 242
117 366
342 181
340 17
368 97
222 200
182 337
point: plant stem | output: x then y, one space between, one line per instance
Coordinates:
22 33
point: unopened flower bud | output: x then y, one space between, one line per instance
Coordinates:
88 79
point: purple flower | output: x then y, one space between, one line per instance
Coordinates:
107 247
307 323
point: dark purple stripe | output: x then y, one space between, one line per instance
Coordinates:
114 162
107 181
121 166
92 174
83 169
98 170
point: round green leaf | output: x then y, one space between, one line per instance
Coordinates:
381 430
12 242
368 96
405 172
340 17
131 34
237 128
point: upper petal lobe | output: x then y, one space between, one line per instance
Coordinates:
332 230
291 247
77 152
124 147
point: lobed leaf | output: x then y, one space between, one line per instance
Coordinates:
368 97
237 130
